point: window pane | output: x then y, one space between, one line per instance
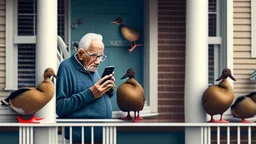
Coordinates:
212 24
26 65
26 25
211 64
212 5
27 17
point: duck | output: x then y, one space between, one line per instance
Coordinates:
252 95
129 33
130 96
218 98
29 100
244 107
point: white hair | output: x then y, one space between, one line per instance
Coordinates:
86 40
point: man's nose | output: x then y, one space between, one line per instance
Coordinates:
97 60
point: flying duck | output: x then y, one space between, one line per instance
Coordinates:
218 98
129 33
130 96
28 100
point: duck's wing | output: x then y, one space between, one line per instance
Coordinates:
18 92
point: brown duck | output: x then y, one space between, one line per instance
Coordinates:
218 98
244 107
130 96
129 33
27 101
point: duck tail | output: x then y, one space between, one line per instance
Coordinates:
5 102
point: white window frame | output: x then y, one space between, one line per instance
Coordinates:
12 41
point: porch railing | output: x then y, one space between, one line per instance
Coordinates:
210 132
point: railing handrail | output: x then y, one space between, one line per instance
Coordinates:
128 124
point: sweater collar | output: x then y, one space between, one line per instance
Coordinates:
77 64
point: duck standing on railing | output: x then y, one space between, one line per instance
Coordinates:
130 96
218 98
244 107
128 32
28 100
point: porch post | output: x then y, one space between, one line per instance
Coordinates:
46 53
196 73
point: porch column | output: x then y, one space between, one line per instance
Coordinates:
196 73
46 53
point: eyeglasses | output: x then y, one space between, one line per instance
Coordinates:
102 58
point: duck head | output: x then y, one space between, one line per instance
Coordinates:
226 73
49 72
117 21
130 73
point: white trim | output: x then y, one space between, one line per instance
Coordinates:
214 40
253 28
11 49
153 55
229 41
109 123
24 39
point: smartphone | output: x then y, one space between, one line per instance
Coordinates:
108 70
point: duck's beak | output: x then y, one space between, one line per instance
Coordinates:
125 76
231 76
55 76
225 76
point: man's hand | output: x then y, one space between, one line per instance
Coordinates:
99 89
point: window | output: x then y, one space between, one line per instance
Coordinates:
214 42
220 40
21 70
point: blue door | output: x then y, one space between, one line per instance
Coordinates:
95 16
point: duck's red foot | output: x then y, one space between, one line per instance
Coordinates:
134 46
128 117
32 120
137 119
246 121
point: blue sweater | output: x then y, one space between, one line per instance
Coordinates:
74 98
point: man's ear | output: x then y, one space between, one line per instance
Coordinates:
80 53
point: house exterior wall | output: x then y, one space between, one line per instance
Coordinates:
2 44
171 59
244 65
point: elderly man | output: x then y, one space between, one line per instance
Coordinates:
80 93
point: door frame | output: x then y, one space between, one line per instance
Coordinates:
150 69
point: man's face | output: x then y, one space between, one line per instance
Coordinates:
89 61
